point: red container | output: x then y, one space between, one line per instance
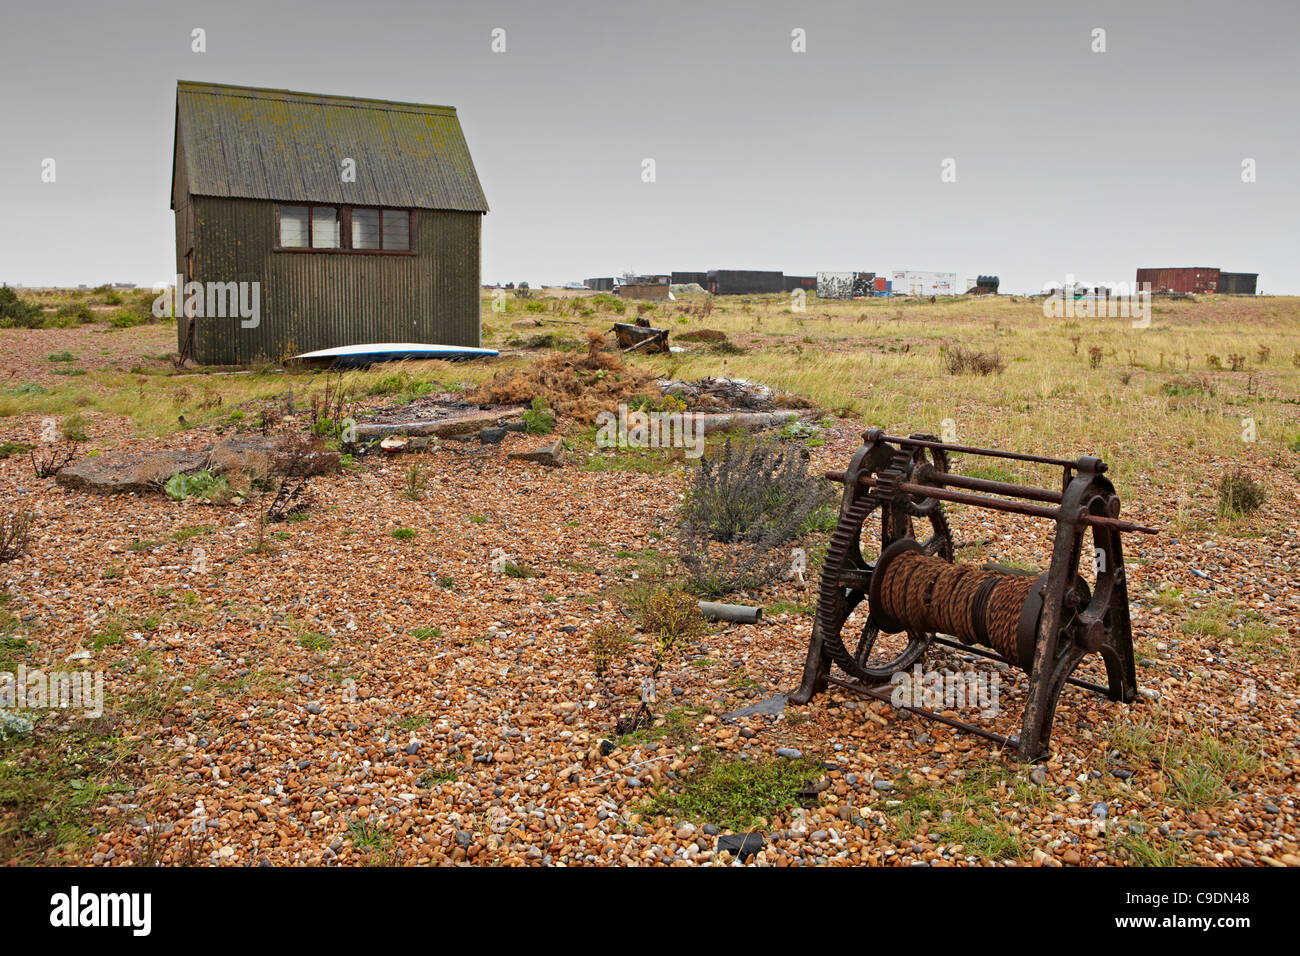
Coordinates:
880 284
1193 279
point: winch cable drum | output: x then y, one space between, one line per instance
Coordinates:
916 592
913 590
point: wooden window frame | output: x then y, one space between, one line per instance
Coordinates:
345 227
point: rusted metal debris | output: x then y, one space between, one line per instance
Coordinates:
640 338
914 592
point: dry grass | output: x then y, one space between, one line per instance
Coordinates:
574 387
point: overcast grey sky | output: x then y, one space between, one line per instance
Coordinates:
1067 160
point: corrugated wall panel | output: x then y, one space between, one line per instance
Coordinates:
314 301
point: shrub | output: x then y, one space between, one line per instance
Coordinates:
199 484
745 503
959 360
751 489
128 318
404 534
539 420
74 313
15 535
1239 495
606 644
417 479
73 428
670 617
15 313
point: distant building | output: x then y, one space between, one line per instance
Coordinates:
925 283
1238 283
686 278
743 282
808 283
644 290
358 219
605 284
845 285
984 285
1187 279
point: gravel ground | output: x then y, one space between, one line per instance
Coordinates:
94 348
353 697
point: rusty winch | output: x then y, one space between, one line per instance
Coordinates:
915 594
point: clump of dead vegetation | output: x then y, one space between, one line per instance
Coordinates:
574 387
15 535
746 503
297 460
53 460
1239 495
959 360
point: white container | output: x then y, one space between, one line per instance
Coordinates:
925 283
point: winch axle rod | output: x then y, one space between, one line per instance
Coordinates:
978 484
994 656
1009 507
972 450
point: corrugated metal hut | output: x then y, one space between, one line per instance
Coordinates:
601 284
1193 279
1238 283
359 219
743 282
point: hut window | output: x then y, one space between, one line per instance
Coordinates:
293 227
365 228
397 229
324 227
345 229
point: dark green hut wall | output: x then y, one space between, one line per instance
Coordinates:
321 300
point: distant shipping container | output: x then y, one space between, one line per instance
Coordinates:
744 281
880 284
925 283
605 284
800 282
643 290
1191 279
1238 283
845 285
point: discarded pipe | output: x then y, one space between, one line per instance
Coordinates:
737 613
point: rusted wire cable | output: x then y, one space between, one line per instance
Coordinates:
976 606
